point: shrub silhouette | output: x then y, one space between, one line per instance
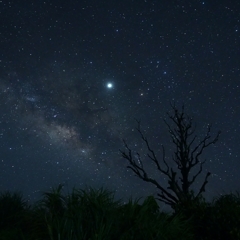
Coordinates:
219 219
95 214
14 215
147 222
225 217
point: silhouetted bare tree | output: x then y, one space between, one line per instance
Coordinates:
186 156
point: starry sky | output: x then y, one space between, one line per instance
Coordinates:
75 74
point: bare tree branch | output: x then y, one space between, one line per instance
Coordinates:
185 156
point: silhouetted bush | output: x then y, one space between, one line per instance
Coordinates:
95 214
14 216
219 219
224 217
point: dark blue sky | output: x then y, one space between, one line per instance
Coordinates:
61 123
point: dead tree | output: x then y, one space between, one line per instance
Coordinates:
185 157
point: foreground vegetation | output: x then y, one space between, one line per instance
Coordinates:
95 215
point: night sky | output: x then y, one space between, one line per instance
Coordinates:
75 74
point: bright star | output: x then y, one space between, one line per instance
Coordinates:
109 85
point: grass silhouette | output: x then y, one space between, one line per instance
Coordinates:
94 214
